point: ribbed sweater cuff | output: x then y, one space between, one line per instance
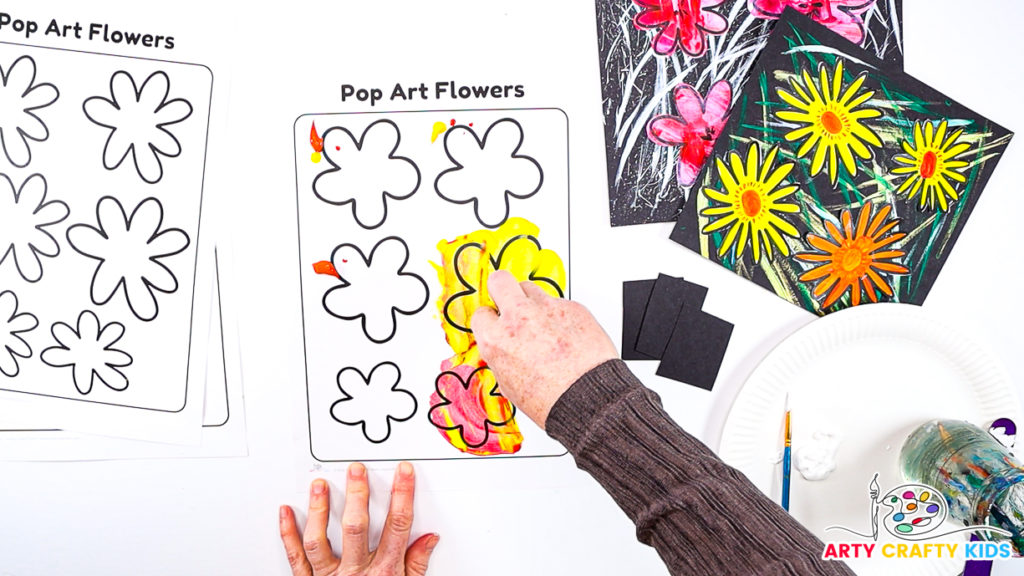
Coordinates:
574 414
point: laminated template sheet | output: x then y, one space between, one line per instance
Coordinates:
402 218
223 423
101 184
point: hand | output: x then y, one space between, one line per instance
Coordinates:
311 555
539 345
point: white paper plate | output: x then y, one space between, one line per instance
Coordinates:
873 374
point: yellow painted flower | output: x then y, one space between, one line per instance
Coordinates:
832 120
930 163
854 260
468 261
749 204
467 406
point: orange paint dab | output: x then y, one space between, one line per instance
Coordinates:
326 268
315 140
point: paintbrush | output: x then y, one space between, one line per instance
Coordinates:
787 458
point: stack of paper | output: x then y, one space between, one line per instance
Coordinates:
111 322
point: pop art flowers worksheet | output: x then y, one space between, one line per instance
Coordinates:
101 182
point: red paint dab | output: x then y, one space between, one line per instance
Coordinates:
452 122
929 163
470 124
326 268
337 147
315 140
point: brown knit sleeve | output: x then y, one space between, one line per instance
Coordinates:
702 516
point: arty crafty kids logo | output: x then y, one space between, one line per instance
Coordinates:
914 514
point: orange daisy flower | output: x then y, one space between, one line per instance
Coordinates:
854 260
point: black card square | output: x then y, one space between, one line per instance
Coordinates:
696 348
635 295
668 297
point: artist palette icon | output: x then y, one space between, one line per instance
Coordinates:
913 510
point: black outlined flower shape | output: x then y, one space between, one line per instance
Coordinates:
24 216
130 250
467 401
488 172
519 253
20 99
12 325
89 350
375 289
373 402
366 172
138 119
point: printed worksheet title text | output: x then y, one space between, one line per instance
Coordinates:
95 32
446 90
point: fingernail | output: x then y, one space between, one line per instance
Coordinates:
283 511
405 470
319 487
432 543
357 470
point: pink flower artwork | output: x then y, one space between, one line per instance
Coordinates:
680 23
695 129
841 16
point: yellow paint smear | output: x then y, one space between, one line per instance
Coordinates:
512 247
466 264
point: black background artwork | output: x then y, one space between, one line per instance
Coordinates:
637 86
800 44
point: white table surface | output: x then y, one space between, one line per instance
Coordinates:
219 517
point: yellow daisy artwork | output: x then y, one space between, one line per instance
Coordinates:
857 131
751 202
930 163
831 118
855 260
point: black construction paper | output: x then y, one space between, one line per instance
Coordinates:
696 348
635 295
668 297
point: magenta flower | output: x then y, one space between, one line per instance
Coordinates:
841 16
680 23
695 129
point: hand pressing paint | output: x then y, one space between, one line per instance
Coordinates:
537 345
310 554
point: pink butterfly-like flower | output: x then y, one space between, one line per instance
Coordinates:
695 129
680 23
843 17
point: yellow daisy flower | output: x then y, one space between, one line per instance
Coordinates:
832 120
750 201
930 161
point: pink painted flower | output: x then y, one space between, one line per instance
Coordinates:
682 23
841 16
695 129
468 409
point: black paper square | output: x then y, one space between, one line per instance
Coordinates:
668 297
635 295
696 348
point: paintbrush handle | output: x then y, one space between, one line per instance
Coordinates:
786 468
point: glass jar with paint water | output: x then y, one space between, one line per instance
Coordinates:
983 483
